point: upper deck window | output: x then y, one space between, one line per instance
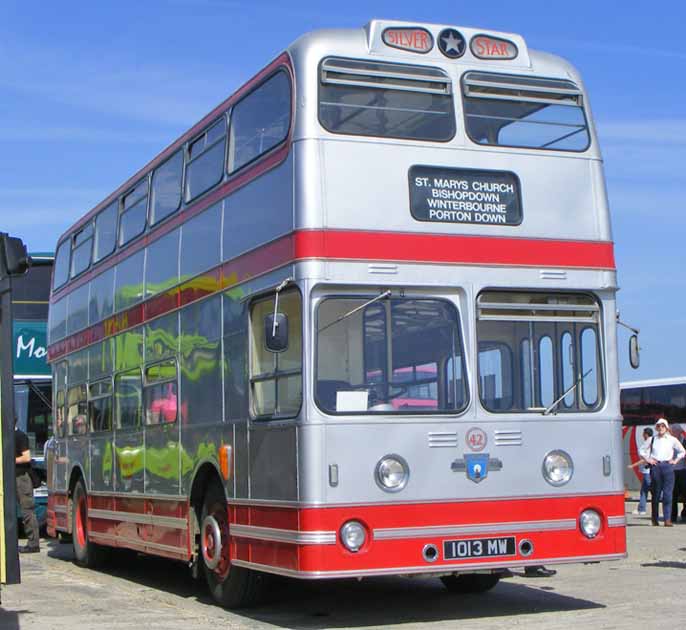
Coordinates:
505 110
386 100
62 258
135 205
260 121
105 232
81 253
205 163
165 195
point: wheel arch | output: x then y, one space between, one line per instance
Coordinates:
205 473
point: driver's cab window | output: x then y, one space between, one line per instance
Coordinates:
276 370
389 355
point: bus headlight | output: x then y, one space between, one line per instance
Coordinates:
353 535
558 468
590 522
392 473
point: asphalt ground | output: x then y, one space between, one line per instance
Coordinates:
645 590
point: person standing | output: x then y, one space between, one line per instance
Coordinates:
644 469
22 461
662 452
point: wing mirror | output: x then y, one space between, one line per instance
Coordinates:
634 352
276 332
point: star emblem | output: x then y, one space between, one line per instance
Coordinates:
451 43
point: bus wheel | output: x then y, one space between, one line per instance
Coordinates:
86 553
230 586
470 582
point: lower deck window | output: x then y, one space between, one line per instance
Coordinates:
276 377
389 356
539 352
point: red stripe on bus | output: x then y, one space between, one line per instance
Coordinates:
350 245
439 248
544 521
550 543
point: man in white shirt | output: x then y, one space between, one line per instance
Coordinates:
661 452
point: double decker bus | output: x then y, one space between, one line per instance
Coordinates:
642 403
380 211
32 374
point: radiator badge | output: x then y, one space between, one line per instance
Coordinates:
476 465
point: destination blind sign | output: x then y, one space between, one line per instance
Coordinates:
455 195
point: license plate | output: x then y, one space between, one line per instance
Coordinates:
479 548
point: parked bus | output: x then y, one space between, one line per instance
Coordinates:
642 403
230 328
32 374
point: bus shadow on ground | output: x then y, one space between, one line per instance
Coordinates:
665 564
383 601
394 601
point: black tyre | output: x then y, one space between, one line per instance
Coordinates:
470 582
230 586
86 553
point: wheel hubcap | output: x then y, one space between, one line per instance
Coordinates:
211 542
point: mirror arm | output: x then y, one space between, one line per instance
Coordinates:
636 331
280 288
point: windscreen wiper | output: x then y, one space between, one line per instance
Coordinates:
548 410
383 295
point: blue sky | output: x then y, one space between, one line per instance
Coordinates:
91 91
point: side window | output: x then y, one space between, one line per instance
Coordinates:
82 249
62 258
100 405
134 209
260 121
128 399
105 232
160 394
201 242
165 193
205 165
77 410
276 377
